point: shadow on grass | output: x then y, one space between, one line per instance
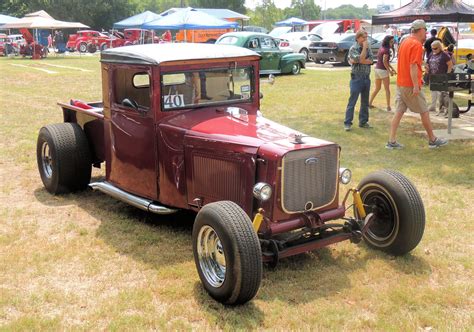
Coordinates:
240 317
161 241
157 240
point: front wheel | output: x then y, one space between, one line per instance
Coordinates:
82 48
296 68
399 212
227 253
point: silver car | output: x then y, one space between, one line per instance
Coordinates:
299 41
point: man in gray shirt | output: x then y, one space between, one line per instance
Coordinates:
361 58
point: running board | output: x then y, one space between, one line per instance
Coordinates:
136 201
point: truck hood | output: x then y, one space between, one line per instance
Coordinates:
237 127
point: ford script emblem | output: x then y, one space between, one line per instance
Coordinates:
311 161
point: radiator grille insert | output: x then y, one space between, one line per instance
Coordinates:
309 178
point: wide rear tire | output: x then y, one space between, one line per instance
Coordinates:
399 212
64 158
227 253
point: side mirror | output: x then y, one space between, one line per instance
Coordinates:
130 103
260 94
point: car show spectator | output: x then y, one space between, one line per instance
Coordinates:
439 62
360 58
469 67
166 36
383 70
450 51
429 41
409 93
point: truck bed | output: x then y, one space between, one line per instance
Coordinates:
90 117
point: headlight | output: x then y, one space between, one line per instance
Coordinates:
345 175
262 191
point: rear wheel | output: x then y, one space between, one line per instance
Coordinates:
91 48
64 158
346 59
227 253
305 52
399 212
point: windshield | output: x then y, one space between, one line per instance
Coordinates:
203 87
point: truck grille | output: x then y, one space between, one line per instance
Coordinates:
309 178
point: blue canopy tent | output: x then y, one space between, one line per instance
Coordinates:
137 21
189 19
291 22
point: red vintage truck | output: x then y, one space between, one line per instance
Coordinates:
180 128
91 41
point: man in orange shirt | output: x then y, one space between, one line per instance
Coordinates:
409 94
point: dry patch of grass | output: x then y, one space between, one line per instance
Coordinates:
88 262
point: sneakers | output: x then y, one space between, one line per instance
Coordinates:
394 145
437 143
347 127
365 125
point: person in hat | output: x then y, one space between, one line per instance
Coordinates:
409 94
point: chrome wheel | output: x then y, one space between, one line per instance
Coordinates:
387 222
295 69
211 256
46 160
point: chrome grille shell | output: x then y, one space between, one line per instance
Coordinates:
309 178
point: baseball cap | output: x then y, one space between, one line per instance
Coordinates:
418 24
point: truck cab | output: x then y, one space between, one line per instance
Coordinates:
180 128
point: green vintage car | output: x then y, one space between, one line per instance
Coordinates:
275 60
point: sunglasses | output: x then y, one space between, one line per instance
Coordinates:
435 48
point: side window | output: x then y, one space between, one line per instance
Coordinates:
253 43
268 43
132 84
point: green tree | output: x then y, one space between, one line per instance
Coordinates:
95 13
304 9
265 14
235 5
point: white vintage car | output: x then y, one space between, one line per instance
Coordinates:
299 41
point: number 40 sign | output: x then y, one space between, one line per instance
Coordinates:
173 101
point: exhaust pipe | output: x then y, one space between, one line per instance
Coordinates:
136 201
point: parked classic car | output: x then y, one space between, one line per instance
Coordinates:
261 191
88 40
299 42
3 41
336 48
274 60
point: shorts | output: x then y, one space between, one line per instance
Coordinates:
380 73
404 99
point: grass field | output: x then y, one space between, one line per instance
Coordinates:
87 262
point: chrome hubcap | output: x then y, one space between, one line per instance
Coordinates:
46 159
211 256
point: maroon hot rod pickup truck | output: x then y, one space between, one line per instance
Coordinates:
180 128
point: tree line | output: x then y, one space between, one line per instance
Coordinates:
100 14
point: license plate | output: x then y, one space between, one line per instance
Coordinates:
319 51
